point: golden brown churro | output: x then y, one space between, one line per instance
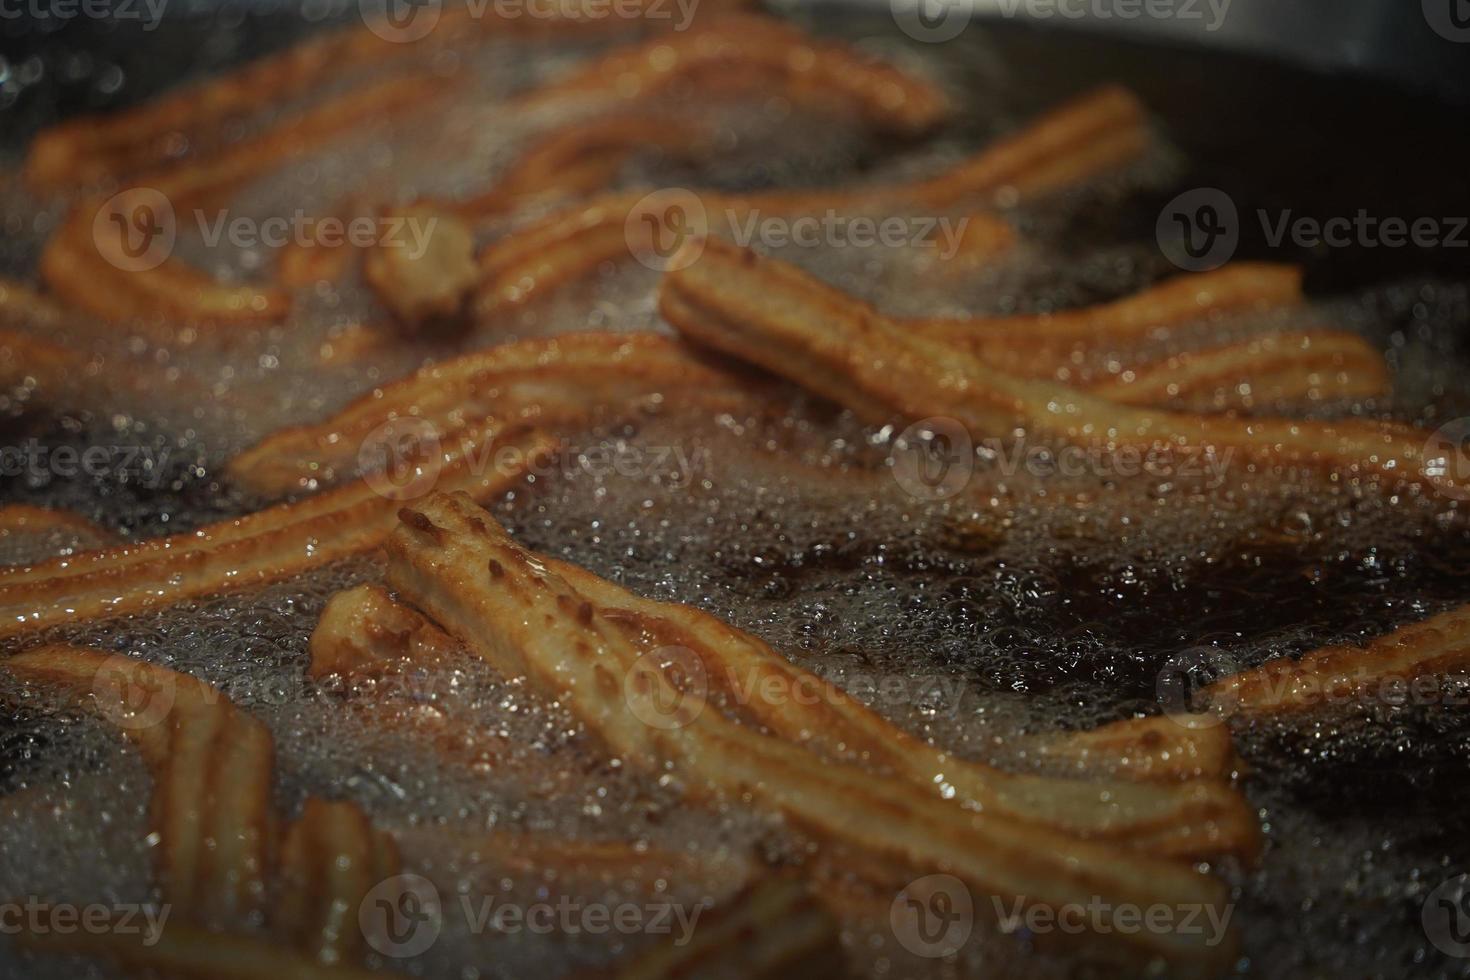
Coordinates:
122 144
211 766
781 318
1270 369
428 289
1162 748
584 157
262 547
554 383
757 49
1384 670
1070 144
1241 286
30 534
520 613
331 857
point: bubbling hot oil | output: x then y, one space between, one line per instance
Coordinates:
1029 603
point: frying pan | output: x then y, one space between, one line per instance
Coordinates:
1321 108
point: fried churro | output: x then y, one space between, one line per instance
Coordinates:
211 766
561 382
331 858
520 613
1384 669
426 289
1076 141
757 49
123 144
782 319
262 547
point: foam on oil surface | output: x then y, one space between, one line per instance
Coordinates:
1031 602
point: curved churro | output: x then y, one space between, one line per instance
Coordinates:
1240 286
518 612
35 533
556 382
1162 748
111 242
1386 669
1270 369
754 48
1078 140
781 318
211 766
331 858
584 157
262 547
117 145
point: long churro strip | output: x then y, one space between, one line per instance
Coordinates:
1201 819
1384 670
211 766
1161 748
1241 286
1271 369
753 47
250 551
78 260
557 382
331 857
92 249
1074 142
781 318
95 148
29 534
584 157
774 930
1092 133
511 608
